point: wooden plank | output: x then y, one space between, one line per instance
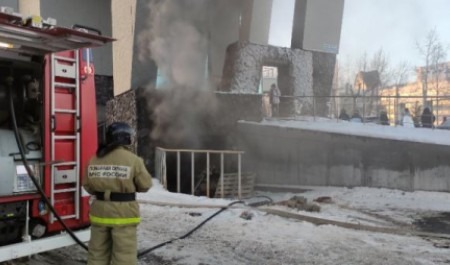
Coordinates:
231 184
322 221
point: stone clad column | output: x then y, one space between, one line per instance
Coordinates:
317 28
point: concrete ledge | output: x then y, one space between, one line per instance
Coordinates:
297 157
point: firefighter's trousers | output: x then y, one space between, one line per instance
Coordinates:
113 245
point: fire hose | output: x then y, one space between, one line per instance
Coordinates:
58 217
141 253
31 173
146 251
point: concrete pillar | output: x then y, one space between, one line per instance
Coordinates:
317 25
144 70
255 21
317 28
224 22
123 15
28 8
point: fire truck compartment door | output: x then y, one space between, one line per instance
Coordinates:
7 174
21 39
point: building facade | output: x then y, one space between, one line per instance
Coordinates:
411 95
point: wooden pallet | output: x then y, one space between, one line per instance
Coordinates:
231 184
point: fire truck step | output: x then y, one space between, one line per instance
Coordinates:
65 164
66 111
67 59
68 216
65 190
65 137
57 84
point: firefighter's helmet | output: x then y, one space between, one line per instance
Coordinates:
119 133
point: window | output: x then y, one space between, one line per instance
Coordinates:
269 76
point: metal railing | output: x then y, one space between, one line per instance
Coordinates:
161 168
368 107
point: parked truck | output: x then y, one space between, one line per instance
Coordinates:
48 131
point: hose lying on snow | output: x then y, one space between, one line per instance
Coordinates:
52 209
58 217
144 252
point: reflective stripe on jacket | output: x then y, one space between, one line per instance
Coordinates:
119 171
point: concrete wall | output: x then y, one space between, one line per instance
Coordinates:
96 14
10 3
289 157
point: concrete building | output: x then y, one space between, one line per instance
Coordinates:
183 46
220 23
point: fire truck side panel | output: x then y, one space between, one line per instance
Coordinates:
65 150
49 73
64 124
88 122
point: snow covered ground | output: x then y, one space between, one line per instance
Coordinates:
422 135
270 239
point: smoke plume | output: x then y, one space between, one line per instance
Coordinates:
177 40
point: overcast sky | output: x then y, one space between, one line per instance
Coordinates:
368 25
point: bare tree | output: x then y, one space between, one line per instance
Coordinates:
427 48
400 76
438 57
345 75
401 73
363 62
380 63
362 65
346 72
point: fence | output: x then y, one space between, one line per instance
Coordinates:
161 171
368 107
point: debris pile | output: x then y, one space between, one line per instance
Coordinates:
323 199
300 203
247 215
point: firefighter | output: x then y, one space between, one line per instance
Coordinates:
114 176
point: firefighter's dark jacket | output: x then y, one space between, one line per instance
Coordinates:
120 171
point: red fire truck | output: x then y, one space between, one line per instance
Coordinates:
48 130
